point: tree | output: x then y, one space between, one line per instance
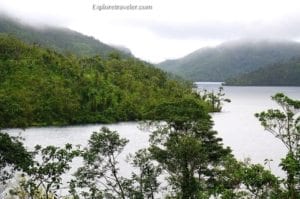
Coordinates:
284 124
238 179
44 177
259 182
215 100
186 147
180 113
100 172
181 158
13 156
145 180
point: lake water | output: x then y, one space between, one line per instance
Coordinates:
241 131
236 124
79 135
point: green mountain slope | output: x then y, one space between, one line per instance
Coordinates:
231 59
42 87
62 40
280 74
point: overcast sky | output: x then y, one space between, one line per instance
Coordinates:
172 29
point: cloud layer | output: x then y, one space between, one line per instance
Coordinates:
173 28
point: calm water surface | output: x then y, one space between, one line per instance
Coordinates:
79 135
241 130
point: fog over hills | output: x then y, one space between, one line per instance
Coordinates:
60 39
231 59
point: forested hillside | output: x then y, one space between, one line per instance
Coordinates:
231 59
279 74
42 87
62 40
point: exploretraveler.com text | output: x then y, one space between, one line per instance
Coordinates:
103 7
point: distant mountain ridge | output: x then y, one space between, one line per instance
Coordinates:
62 40
231 59
279 74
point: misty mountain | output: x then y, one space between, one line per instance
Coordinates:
279 74
62 40
231 59
121 48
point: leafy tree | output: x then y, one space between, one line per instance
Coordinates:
181 158
284 124
100 172
13 156
146 178
180 113
245 180
215 100
186 147
259 182
44 177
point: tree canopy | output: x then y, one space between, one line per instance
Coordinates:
42 87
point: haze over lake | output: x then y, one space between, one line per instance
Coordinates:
236 124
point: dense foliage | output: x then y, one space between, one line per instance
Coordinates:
13 156
284 124
41 87
187 149
231 59
279 74
62 40
43 179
